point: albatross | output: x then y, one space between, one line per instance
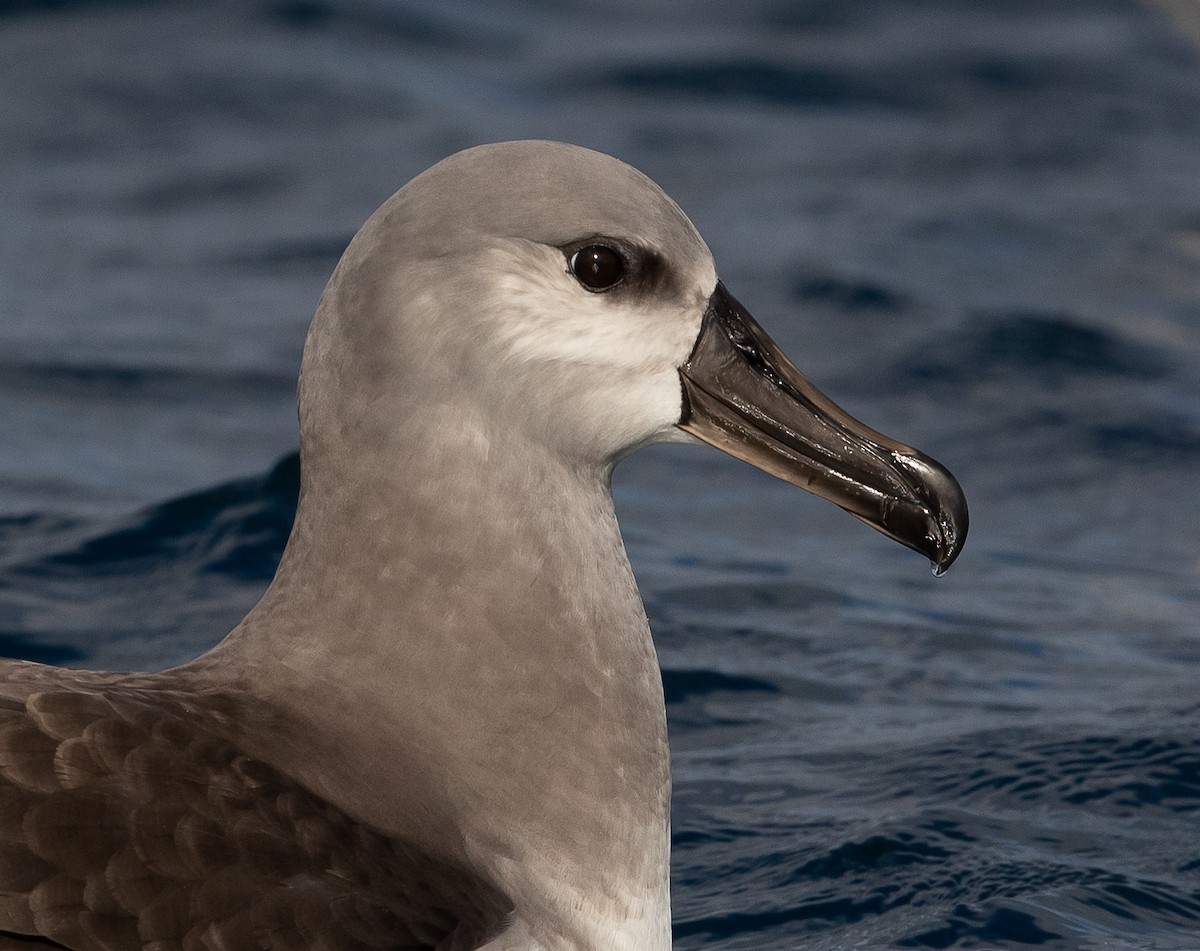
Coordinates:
442 726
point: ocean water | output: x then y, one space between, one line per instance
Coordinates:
974 223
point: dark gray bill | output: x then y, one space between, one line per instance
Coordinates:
742 395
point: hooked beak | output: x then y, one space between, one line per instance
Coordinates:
742 395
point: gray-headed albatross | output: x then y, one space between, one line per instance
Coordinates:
442 727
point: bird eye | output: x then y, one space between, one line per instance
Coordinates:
597 268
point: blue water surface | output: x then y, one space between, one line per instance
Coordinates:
975 223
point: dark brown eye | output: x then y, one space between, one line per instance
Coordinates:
597 268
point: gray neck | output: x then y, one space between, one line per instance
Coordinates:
461 635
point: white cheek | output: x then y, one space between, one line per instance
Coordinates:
649 410
609 366
541 315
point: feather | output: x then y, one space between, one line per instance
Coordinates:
130 820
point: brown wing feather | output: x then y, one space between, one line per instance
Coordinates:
129 820
15 942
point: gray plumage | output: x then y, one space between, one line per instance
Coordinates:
130 817
443 725
445 715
